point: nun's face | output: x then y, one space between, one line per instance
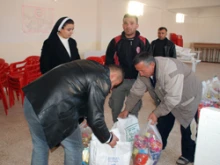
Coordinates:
67 31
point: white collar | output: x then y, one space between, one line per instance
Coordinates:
61 38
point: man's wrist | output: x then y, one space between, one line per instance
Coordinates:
110 138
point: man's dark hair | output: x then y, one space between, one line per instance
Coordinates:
146 57
129 15
162 28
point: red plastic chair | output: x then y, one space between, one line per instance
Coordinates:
16 81
103 58
116 60
2 61
3 86
179 40
21 74
32 69
32 72
173 37
32 60
97 59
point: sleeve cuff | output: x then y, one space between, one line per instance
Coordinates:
110 139
157 113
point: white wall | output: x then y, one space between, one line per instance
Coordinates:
201 24
97 22
191 3
209 25
15 45
188 29
112 20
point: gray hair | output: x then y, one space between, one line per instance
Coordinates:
145 57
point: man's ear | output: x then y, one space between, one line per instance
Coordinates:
152 64
112 76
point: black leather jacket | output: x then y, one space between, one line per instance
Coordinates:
169 48
68 92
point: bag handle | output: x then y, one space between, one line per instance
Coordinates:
154 128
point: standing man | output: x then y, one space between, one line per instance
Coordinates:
162 46
121 51
55 102
176 92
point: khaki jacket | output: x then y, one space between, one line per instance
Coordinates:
177 90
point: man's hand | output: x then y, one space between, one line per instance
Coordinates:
114 141
153 118
84 123
123 114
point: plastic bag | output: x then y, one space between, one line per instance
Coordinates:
210 94
211 90
215 90
86 138
86 134
147 146
85 156
103 154
128 128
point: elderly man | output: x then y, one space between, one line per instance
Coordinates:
176 92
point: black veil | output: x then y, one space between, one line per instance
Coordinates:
55 28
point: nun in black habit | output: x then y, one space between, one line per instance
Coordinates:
59 48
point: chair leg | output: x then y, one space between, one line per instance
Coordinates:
11 97
4 100
17 94
22 97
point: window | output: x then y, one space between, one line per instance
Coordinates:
180 18
135 8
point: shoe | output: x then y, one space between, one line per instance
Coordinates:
182 161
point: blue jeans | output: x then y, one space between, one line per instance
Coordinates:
72 144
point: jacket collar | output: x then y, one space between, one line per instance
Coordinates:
107 71
124 37
165 39
156 69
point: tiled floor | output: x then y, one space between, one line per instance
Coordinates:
15 140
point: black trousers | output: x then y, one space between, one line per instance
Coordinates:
165 125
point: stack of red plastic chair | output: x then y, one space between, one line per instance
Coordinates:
103 58
3 83
179 40
176 39
21 74
116 60
16 81
97 59
33 60
32 69
173 38
32 72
